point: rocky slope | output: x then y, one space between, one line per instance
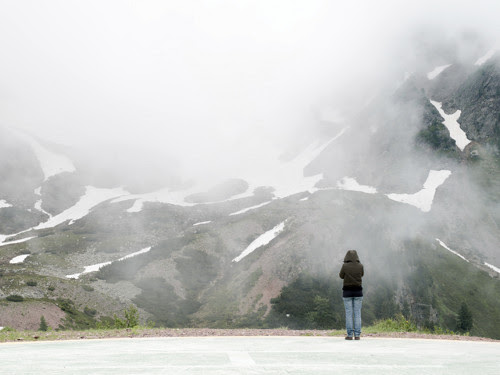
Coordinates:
391 182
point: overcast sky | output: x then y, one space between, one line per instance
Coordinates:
205 79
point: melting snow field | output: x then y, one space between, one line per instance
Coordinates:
496 269
38 207
3 238
287 178
451 123
92 197
349 183
97 267
50 162
4 204
262 240
19 259
437 71
485 58
450 250
202 223
424 198
249 208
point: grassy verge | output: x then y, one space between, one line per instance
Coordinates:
388 327
8 335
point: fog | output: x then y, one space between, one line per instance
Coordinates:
201 87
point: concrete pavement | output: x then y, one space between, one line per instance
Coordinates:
252 356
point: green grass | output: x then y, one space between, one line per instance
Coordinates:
396 325
9 334
400 324
387 326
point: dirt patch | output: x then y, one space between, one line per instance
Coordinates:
26 315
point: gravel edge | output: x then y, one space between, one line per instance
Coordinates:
208 332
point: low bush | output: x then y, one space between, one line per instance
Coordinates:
399 324
90 312
15 298
130 320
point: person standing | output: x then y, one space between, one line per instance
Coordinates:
352 293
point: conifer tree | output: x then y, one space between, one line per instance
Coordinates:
43 324
464 321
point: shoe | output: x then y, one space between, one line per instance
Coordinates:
357 338
348 338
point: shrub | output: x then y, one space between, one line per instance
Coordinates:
31 283
399 324
8 329
322 316
15 298
90 312
87 288
130 320
51 288
67 306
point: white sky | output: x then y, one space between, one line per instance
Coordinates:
205 81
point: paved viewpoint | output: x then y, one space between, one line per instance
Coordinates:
251 355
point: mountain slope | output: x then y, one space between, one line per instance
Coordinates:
391 181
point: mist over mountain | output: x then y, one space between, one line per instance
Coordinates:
225 189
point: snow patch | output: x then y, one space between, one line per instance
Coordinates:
145 250
19 259
98 266
249 208
50 162
424 198
305 199
450 250
287 178
485 58
496 269
3 238
451 123
137 206
349 183
92 197
38 206
437 71
262 240
201 223
4 204
92 268
162 196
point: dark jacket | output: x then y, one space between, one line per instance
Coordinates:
352 272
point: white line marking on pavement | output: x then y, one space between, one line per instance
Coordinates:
241 359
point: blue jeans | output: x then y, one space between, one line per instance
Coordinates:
353 307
